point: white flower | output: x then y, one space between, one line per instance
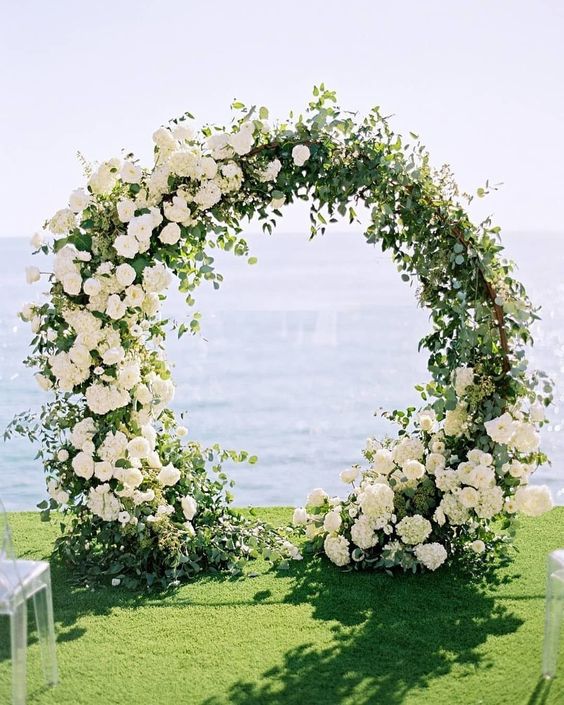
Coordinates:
36 240
169 475
468 497
82 432
105 178
131 477
241 142
332 521
525 438
533 500
126 210
79 200
427 419
63 221
113 355
115 308
164 139
72 284
113 446
300 154
183 133
317 497
83 465
501 429
207 195
92 286
478 546
134 296
376 500
299 516
414 529
363 532
125 274
456 421
349 475
413 470
177 211
103 470
126 246
138 447
143 394
43 381
124 518
434 462
431 555
189 507
156 278
490 503
141 227
131 173
218 143
463 377
32 274
170 234
272 170
181 431
63 455
337 549
383 462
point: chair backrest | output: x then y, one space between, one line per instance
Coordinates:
6 542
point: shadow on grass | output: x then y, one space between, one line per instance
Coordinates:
389 637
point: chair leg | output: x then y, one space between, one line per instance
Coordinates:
553 622
43 606
18 633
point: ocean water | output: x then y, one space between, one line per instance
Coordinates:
296 357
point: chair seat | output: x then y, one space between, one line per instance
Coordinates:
20 576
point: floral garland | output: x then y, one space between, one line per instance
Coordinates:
146 505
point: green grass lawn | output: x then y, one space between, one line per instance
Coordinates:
308 636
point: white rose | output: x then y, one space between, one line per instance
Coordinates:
478 546
83 465
125 274
115 308
138 447
299 516
63 455
317 497
300 154
272 170
103 470
113 355
131 477
501 429
349 475
36 240
72 283
126 246
170 234
468 497
427 420
32 275
168 476
131 173
189 507
413 470
177 211
383 462
124 518
79 200
181 431
241 142
126 210
134 296
92 286
143 394
332 521
533 500
164 139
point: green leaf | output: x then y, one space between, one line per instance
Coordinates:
139 264
82 241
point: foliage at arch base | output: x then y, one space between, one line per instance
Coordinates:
148 506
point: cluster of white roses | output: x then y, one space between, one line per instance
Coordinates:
106 290
463 494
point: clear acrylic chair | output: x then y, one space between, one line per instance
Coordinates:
20 581
554 612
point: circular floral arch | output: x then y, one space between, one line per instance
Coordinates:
146 505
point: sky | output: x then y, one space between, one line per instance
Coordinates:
479 81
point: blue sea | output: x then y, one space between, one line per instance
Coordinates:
297 356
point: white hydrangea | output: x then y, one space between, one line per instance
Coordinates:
408 449
491 502
376 500
456 421
156 278
383 462
414 529
363 532
62 222
431 555
332 521
83 431
413 470
337 549
207 195
270 173
103 503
